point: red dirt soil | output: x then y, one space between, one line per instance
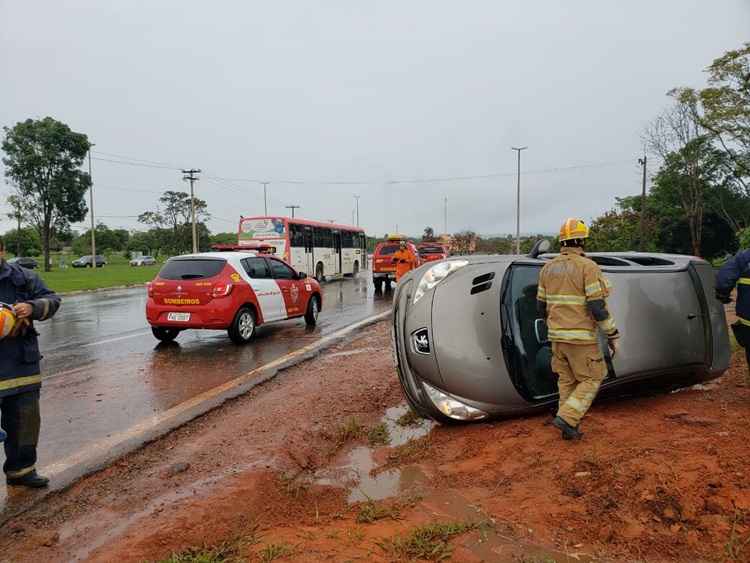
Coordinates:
657 478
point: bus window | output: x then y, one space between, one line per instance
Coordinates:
297 235
347 239
323 237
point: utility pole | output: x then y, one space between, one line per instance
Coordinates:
518 200
93 226
190 175
356 207
642 242
265 197
445 216
292 207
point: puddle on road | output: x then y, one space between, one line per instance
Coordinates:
355 470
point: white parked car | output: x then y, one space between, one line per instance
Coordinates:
143 261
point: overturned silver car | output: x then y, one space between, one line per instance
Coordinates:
470 345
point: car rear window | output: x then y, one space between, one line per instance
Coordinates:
431 250
387 250
191 268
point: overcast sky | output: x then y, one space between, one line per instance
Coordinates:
369 92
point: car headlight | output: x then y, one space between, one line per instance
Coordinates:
452 408
436 274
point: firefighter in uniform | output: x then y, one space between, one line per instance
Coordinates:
405 260
20 378
736 272
571 298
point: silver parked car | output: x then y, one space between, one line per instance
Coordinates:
143 261
469 343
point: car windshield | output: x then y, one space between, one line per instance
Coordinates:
388 249
431 250
191 268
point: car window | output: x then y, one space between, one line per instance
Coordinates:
191 268
431 250
388 249
281 271
256 268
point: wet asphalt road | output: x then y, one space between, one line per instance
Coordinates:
104 372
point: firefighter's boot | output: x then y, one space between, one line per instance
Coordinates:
31 480
568 432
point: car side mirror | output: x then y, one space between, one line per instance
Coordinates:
540 330
301 275
541 246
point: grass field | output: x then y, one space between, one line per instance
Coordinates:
117 272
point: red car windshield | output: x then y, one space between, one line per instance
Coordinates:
388 249
432 250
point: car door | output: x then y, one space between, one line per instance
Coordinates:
268 293
290 286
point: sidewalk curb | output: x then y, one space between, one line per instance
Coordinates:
101 454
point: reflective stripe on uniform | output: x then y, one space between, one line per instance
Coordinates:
744 281
541 293
20 472
607 325
561 299
571 334
743 321
593 288
6 384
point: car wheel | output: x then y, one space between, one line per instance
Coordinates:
313 310
319 277
242 329
164 334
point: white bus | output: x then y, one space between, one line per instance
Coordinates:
324 250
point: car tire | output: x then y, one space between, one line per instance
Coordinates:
242 329
319 273
313 310
165 334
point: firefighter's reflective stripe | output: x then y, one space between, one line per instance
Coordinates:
593 288
6 384
541 293
607 325
568 335
20 472
743 321
744 281
562 299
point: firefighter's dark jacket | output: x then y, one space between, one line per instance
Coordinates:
19 355
736 271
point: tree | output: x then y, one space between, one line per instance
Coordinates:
172 222
24 242
224 238
618 230
107 240
723 108
42 162
429 235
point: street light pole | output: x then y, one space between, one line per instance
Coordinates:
265 197
518 200
356 204
642 242
91 208
292 207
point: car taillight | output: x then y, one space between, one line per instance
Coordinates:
222 290
150 289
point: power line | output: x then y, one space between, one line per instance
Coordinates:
140 164
137 160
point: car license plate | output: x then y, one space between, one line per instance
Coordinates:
178 317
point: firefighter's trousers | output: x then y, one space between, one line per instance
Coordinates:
580 369
19 417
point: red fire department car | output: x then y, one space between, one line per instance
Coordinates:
233 291
431 251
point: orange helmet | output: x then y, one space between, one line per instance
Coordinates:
573 229
7 320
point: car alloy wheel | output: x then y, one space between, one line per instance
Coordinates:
246 325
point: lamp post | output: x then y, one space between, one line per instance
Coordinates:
518 199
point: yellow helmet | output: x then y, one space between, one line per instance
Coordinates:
7 320
573 229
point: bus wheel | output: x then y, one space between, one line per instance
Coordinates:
355 270
319 273
378 285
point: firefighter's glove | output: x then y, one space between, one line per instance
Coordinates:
723 297
613 344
